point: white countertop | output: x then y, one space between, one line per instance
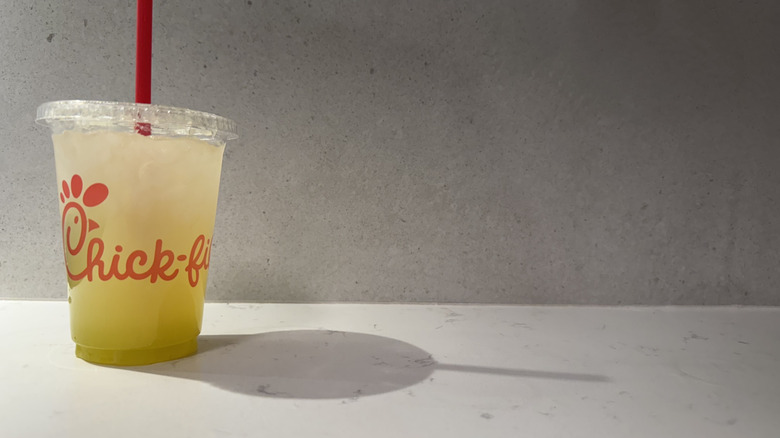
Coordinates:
386 370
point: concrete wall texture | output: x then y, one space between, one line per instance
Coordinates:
584 152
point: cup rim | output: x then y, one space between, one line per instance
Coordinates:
97 113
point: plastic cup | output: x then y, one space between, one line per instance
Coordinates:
137 214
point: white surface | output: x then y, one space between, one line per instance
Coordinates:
408 371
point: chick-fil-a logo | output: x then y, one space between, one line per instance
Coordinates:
135 264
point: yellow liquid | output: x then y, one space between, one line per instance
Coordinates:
161 197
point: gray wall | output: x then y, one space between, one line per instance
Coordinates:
594 151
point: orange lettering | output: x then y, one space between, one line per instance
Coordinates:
194 265
113 270
159 267
130 265
94 259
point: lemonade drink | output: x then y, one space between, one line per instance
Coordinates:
137 215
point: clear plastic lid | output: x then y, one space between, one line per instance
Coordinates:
168 121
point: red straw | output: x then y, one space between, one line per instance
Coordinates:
143 53
143 60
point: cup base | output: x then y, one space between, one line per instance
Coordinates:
137 357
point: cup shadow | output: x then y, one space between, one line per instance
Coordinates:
319 364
